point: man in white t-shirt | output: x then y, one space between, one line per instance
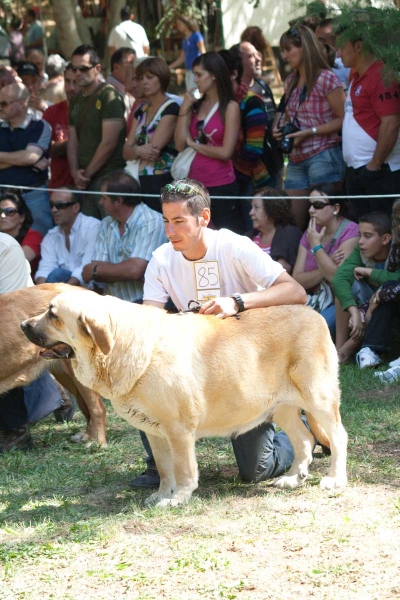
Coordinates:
128 35
226 273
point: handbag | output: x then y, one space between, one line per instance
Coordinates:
180 168
133 166
323 296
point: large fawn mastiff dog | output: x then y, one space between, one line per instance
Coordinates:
183 377
21 362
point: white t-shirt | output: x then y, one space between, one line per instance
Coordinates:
233 263
15 270
129 35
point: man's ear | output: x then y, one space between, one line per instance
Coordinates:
99 332
205 217
386 238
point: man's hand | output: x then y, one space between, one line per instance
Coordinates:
81 181
362 273
373 166
356 324
87 271
220 307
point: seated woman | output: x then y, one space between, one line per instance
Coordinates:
327 242
274 227
16 220
150 139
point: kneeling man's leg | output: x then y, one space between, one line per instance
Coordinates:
59 275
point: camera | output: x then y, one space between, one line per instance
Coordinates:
286 144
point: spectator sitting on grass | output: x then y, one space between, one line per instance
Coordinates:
356 282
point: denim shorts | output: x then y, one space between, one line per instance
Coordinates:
326 167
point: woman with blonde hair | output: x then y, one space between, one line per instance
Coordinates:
314 110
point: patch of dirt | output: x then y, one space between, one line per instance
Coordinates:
385 393
387 449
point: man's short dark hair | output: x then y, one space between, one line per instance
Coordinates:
94 57
76 195
233 60
125 13
194 193
380 221
121 183
31 13
119 55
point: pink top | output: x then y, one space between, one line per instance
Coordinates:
314 111
349 231
257 240
211 172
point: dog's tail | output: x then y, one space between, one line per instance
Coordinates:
318 431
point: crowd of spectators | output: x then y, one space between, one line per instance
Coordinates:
108 147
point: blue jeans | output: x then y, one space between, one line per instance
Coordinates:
325 167
260 453
329 316
59 275
38 203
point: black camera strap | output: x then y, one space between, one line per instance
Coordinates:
302 98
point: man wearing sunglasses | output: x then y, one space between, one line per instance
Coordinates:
70 244
226 274
24 143
96 128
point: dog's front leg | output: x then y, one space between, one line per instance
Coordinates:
163 457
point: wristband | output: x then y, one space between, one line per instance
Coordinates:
239 301
95 277
314 130
316 248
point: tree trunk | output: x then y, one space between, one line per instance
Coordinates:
67 31
114 17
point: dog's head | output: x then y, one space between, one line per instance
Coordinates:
70 323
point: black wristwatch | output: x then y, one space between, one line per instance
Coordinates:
239 301
95 277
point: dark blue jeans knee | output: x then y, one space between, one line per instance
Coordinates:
59 275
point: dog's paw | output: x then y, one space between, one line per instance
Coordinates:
289 481
166 502
333 483
79 438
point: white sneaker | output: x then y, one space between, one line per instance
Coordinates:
395 363
367 358
390 375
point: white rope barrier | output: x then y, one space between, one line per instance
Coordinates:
98 193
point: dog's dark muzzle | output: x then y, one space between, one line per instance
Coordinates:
49 350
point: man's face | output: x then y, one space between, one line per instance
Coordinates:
348 54
63 216
249 59
89 74
37 58
121 70
10 107
70 86
181 228
372 245
108 203
326 35
32 82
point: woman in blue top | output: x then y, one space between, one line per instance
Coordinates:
192 47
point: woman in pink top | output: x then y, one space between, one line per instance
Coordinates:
328 241
214 142
314 104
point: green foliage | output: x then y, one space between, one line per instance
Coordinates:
357 20
176 8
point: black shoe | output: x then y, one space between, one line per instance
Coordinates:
150 479
65 413
16 439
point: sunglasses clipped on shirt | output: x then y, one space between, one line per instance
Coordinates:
62 205
82 69
8 212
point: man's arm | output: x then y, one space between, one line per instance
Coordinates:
285 290
106 272
72 150
22 158
109 138
58 149
387 137
48 261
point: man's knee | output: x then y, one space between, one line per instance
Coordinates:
58 275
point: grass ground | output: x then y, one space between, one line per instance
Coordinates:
71 529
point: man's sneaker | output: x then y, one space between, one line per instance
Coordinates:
150 479
16 439
65 413
367 358
395 363
390 375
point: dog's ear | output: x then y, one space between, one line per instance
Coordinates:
99 332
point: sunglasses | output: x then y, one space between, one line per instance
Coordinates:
294 33
4 104
82 69
8 212
201 135
318 204
62 205
179 188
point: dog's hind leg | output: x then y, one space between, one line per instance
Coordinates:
288 419
163 457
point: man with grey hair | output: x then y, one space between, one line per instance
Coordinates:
24 143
